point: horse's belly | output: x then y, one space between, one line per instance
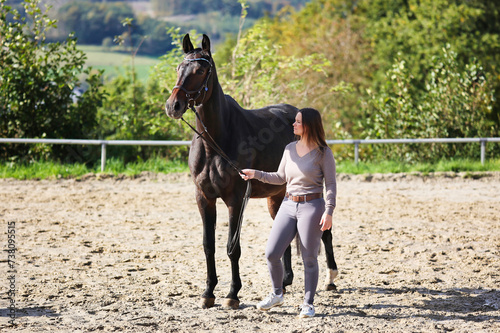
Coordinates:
262 190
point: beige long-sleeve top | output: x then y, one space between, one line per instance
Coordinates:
306 174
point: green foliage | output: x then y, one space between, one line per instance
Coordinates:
255 75
459 100
420 29
114 166
117 167
97 23
328 30
442 165
154 164
257 9
157 41
134 110
43 169
98 19
456 103
37 84
363 40
374 68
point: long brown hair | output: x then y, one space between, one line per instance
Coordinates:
312 127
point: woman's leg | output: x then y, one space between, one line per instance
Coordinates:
282 233
309 230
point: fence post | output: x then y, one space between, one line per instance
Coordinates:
103 156
483 150
356 151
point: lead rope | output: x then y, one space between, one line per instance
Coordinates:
219 151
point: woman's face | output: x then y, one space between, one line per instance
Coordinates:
297 125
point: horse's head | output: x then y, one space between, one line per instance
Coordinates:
193 86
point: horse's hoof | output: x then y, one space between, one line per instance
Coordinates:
331 274
207 303
330 287
231 303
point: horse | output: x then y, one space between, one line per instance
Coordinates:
248 138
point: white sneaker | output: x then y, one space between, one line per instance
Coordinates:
307 311
270 302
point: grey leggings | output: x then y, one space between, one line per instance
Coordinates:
292 218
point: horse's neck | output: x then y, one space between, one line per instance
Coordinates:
214 116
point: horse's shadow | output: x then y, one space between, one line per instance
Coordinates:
461 303
36 311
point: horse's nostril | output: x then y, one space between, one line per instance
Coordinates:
177 106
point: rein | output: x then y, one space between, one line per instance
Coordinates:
212 142
221 153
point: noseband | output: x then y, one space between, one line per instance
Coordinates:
203 86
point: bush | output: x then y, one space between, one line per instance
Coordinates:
38 81
134 110
457 103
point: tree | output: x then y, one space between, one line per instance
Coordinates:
256 75
456 103
92 22
37 85
135 110
420 29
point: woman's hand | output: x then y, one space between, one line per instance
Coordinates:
247 174
326 222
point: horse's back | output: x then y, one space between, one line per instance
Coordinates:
284 111
259 136
265 117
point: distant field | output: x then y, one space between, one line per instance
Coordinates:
114 63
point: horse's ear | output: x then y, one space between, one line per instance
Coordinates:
205 44
187 46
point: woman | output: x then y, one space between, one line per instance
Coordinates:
305 165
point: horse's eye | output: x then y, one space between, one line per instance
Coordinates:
200 71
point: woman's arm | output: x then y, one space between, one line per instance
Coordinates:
330 173
275 178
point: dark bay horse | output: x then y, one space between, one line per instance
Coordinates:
250 139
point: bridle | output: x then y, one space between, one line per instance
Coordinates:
211 142
203 87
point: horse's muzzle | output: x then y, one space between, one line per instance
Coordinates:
175 109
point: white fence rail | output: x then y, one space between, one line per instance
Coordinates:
102 143
356 143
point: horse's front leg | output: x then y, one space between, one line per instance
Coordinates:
234 253
332 271
208 215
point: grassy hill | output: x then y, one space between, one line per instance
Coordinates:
114 63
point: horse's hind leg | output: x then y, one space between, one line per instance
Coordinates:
287 265
273 204
208 216
332 271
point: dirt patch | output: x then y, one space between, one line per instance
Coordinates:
416 253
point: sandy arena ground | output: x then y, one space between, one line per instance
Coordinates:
415 254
